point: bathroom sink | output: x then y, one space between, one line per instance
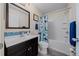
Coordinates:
12 40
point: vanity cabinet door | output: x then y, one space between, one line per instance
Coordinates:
16 50
27 48
32 47
35 46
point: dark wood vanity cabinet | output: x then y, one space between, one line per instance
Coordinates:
27 48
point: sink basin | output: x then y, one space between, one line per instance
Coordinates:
12 40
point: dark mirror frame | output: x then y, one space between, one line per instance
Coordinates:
7 17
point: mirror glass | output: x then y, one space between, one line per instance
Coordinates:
17 17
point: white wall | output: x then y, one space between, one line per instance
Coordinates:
72 11
57 28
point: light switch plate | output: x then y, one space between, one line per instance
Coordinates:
1 45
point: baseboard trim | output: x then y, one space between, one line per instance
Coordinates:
55 53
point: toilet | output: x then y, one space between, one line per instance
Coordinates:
43 48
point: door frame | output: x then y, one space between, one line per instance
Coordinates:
2 18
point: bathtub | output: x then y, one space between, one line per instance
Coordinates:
59 46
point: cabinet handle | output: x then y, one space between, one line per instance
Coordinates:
29 48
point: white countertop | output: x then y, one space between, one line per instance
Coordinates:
12 40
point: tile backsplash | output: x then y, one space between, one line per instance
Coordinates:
14 33
11 33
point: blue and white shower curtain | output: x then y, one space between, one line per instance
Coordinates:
43 28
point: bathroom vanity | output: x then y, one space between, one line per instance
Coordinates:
19 44
24 47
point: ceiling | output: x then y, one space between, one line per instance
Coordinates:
46 7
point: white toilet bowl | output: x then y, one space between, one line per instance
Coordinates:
43 47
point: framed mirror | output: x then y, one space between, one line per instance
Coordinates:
17 17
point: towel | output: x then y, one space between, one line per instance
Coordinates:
73 33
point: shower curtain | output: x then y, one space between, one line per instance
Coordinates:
43 28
